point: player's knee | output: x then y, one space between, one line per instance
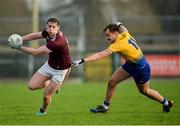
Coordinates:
143 91
30 87
111 84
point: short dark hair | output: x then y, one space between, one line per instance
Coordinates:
54 20
112 28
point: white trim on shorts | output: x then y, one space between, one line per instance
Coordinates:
56 75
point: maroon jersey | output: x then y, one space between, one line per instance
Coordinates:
59 58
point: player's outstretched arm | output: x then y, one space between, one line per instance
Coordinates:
93 57
98 55
32 36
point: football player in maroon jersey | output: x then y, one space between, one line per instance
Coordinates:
52 74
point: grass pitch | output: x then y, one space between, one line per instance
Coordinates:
18 105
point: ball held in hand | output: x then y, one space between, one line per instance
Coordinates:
15 41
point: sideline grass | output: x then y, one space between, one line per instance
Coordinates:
18 105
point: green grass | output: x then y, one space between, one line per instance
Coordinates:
18 105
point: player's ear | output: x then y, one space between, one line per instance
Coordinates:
58 27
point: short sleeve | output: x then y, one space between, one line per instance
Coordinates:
115 47
50 47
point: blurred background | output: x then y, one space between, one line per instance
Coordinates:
154 23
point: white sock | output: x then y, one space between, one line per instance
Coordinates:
166 103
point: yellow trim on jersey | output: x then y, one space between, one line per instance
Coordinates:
126 46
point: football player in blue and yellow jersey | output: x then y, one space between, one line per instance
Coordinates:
136 66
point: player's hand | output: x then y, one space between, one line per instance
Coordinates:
12 46
15 41
77 62
117 23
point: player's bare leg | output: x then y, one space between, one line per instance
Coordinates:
144 89
47 83
37 81
119 75
49 90
153 94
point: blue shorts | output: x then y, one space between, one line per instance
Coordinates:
140 71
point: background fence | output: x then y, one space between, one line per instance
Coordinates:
156 33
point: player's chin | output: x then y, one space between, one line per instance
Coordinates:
51 34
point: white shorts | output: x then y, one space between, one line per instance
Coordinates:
57 75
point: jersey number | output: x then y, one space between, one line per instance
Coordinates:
133 42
